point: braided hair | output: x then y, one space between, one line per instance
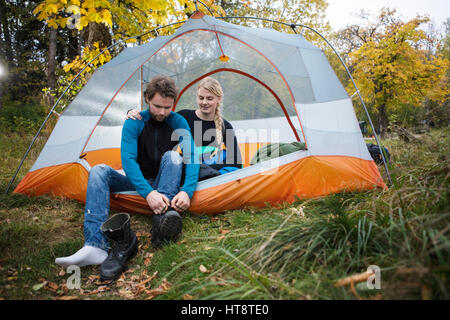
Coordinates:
213 86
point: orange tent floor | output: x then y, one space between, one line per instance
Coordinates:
309 177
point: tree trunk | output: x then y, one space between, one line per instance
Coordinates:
74 47
51 76
1 94
6 49
96 32
5 29
382 120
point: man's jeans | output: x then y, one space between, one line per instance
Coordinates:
103 180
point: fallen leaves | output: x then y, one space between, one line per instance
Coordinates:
218 280
163 287
137 286
223 233
51 286
148 258
59 290
67 298
132 284
298 211
13 274
203 269
38 286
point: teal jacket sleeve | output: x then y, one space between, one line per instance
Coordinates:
129 153
190 157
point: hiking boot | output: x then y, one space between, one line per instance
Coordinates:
166 227
124 245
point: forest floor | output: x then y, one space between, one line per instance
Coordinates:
296 251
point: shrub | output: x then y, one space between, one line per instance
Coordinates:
16 116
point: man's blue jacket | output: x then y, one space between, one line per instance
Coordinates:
129 152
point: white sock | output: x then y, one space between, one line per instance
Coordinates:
87 255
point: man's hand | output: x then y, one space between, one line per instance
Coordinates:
181 202
157 202
134 114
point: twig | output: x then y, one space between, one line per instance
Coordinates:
360 277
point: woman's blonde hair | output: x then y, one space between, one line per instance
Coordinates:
213 86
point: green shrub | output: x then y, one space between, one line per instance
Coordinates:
16 116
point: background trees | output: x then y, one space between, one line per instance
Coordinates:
400 69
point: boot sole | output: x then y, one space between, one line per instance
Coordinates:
171 226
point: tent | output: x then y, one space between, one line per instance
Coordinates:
278 88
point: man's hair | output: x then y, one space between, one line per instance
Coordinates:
164 85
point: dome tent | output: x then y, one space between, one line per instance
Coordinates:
278 88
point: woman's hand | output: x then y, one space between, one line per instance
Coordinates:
134 114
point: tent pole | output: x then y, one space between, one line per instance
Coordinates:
360 97
346 69
64 92
43 123
209 10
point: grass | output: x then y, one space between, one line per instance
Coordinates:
296 251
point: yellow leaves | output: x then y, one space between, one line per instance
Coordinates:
39 8
84 21
394 68
51 8
52 24
88 4
131 18
106 17
87 57
92 15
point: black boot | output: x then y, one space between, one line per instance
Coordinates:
124 244
166 227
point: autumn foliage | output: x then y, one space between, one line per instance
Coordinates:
394 66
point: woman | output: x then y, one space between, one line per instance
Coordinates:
213 135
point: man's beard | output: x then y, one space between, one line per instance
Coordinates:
158 118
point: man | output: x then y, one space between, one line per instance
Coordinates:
154 170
